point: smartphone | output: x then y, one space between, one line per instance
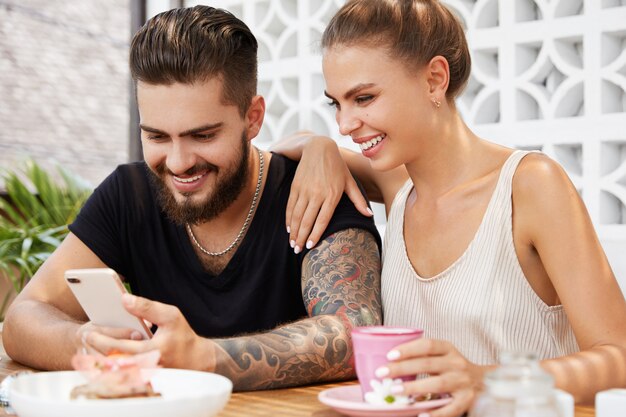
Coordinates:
99 292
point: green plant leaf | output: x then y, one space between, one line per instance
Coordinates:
12 215
26 245
34 218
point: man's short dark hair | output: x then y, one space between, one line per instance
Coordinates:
195 44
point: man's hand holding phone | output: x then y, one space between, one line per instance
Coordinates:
117 323
179 345
99 292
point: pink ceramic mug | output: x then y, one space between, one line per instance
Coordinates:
371 345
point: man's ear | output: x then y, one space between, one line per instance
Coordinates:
254 116
438 76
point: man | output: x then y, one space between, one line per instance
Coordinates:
198 232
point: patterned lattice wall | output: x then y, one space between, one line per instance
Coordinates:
547 74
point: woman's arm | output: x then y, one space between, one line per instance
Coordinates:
322 149
552 219
324 173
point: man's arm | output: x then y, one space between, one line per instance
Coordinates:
341 290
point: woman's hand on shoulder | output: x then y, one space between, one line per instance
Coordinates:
448 372
320 180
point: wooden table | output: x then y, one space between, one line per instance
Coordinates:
301 402
291 402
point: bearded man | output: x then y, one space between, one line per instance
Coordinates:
197 231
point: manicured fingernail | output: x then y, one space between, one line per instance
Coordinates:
136 336
292 243
369 210
423 415
296 250
397 389
309 244
128 300
382 372
392 355
288 229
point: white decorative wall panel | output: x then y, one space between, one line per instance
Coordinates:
547 74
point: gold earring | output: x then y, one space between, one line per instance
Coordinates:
436 102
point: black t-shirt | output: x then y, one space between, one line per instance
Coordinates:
258 290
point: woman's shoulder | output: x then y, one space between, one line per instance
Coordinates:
538 174
543 191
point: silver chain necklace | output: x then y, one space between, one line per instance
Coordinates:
257 191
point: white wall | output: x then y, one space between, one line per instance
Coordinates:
547 74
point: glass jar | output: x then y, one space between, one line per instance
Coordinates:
519 387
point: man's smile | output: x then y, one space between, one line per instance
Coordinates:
188 180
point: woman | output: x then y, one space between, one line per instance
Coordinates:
486 248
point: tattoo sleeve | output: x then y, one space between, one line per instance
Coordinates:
340 289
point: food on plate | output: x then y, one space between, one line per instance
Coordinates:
116 375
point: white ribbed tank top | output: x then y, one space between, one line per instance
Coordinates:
482 303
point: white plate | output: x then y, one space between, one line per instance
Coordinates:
183 394
349 400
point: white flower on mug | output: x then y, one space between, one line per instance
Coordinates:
381 393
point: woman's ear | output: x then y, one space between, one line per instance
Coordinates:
438 76
254 117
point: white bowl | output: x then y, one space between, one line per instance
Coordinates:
183 394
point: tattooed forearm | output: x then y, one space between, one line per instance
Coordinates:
308 351
341 289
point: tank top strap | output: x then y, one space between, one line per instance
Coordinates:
504 188
500 208
396 212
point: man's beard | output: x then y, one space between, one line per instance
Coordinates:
224 193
